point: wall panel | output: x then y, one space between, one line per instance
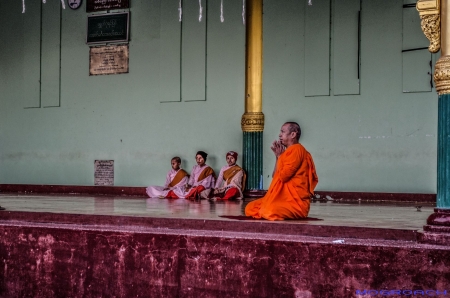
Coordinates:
317 48
346 47
31 54
412 36
51 54
416 59
170 52
417 71
193 58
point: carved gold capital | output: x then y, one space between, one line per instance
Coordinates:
429 11
431 27
252 122
442 75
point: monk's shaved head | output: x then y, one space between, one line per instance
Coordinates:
294 127
177 159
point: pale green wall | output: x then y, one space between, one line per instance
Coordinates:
383 140
120 117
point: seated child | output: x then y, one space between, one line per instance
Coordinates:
234 178
200 183
175 178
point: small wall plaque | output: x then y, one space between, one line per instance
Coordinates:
98 5
111 27
104 172
108 60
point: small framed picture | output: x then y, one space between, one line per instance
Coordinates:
108 27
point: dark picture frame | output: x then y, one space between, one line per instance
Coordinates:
108 28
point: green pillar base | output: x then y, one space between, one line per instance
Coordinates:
253 160
437 230
443 161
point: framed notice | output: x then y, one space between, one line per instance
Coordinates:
104 172
99 5
108 60
106 28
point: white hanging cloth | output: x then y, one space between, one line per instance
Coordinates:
23 6
309 2
222 19
243 12
180 12
63 5
200 12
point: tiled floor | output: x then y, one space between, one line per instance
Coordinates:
387 215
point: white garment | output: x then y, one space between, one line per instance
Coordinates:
158 191
236 181
208 182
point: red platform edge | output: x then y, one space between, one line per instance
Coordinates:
140 191
73 189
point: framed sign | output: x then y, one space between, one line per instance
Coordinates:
111 27
108 60
104 172
99 5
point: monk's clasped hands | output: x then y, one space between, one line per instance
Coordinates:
278 148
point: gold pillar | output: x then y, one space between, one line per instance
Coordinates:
253 118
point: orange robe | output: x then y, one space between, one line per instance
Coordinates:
292 186
178 177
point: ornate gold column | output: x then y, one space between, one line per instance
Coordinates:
435 15
253 118
252 122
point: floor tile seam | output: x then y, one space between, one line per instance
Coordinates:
234 235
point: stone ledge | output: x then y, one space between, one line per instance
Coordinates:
251 226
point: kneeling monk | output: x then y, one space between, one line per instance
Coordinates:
234 178
175 178
293 182
200 183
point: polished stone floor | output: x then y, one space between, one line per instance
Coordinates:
361 214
